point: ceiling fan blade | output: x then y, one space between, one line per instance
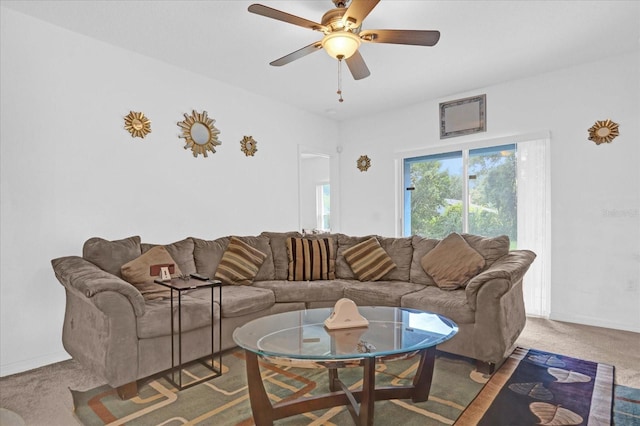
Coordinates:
269 12
357 66
415 37
357 11
297 54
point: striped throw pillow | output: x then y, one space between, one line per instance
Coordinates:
368 260
311 259
240 263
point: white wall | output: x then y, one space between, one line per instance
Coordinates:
595 189
69 170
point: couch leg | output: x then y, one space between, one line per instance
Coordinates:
484 367
128 391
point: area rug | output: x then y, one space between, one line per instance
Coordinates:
224 400
541 388
532 387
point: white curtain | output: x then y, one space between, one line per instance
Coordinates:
534 222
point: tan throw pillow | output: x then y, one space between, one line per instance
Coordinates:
311 259
452 262
138 273
240 263
368 260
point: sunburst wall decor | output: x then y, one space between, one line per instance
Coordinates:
137 124
199 133
364 162
248 145
603 131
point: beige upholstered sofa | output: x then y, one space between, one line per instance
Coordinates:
122 331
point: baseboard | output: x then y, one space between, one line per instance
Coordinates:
30 364
595 322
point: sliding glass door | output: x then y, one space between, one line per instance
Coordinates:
472 191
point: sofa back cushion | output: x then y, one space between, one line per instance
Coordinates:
400 251
421 246
181 252
311 259
278 246
111 255
491 248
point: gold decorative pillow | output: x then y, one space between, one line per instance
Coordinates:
311 259
368 260
452 262
240 263
138 273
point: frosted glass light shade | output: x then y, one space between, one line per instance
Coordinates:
341 43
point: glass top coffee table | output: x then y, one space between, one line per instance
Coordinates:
300 339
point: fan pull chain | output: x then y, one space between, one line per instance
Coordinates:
339 92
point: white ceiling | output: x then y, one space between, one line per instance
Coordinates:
482 43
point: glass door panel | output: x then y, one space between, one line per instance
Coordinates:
492 207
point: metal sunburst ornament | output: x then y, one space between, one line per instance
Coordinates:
137 124
603 131
364 162
199 133
248 146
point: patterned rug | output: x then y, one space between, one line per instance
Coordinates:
532 387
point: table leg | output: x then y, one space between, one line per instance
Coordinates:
333 377
367 402
424 375
260 404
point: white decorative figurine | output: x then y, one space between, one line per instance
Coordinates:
345 315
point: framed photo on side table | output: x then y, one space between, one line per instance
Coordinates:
463 116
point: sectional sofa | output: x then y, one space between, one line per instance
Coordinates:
117 323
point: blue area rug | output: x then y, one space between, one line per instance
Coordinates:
540 388
626 406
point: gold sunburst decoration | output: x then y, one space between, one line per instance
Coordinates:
603 131
364 162
137 124
199 133
248 145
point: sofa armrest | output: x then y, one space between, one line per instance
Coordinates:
504 272
84 277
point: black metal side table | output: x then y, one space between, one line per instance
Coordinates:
181 285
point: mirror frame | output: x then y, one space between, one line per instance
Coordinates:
603 131
187 124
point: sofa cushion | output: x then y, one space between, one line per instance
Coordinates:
278 245
138 273
111 255
453 262
207 254
240 263
343 270
379 293
452 304
400 251
181 251
491 248
421 246
304 291
196 313
311 259
238 300
368 260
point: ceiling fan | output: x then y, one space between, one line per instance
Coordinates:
343 33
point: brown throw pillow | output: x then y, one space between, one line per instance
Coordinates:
240 263
452 262
138 273
368 260
311 259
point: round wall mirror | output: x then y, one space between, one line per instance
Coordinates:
603 131
199 133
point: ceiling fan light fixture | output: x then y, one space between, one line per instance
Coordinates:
341 44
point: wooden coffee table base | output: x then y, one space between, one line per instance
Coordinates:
360 403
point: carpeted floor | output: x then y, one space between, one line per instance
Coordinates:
41 396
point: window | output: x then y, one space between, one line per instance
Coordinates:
323 207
